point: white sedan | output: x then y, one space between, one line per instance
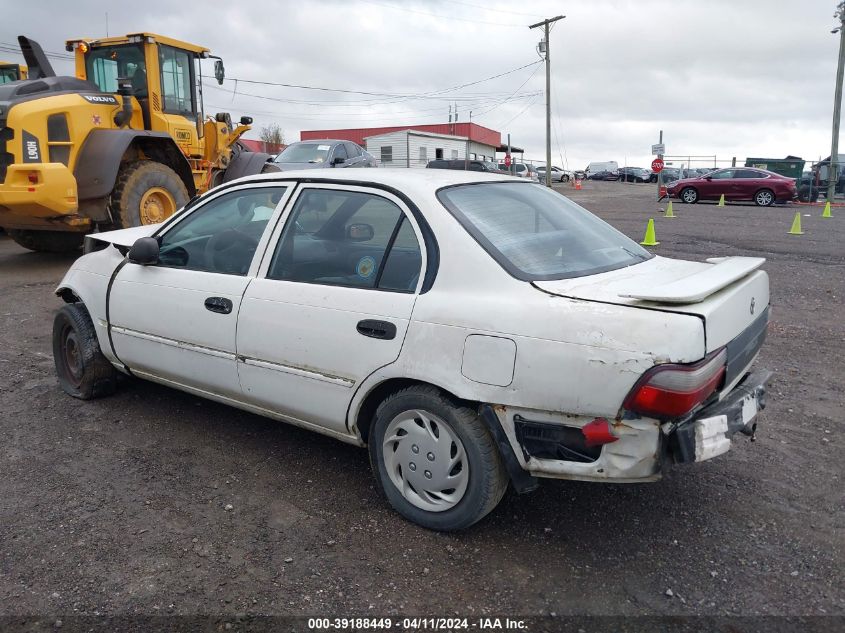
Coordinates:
472 330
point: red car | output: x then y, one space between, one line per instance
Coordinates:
736 183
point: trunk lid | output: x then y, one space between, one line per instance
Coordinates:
727 293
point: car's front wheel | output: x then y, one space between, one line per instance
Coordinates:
689 195
82 369
564 178
764 198
434 460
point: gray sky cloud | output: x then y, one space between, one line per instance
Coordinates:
720 77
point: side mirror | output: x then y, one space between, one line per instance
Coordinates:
338 160
144 251
219 71
246 120
359 232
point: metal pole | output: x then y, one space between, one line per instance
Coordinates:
660 173
833 170
545 24
510 167
466 152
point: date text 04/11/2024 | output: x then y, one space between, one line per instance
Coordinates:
416 624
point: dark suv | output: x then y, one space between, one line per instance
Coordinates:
471 165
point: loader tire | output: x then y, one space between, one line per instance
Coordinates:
48 241
146 193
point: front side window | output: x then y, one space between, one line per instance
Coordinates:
346 238
537 234
221 236
176 83
387 154
104 65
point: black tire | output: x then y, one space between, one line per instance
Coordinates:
564 178
48 241
82 369
806 194
688 195
488 479
764 198
134 181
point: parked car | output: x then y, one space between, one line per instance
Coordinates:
461 164
670 174
558 174
634 174
600 167
522 170
603 175
471 329
736 183
320 154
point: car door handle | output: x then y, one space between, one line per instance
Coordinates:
221 305
377 329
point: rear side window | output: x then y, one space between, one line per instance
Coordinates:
346 238
537 234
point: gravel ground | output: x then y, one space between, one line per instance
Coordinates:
156 502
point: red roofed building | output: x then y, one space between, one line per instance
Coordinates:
475 132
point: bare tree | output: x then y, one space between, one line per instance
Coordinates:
272 134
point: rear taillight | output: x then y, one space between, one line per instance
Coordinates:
670 391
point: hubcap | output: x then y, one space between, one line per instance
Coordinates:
157 204
425 460
764 197
689 196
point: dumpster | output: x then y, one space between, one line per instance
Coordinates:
791 166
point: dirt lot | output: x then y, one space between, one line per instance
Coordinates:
117 506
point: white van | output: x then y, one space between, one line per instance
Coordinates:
594 168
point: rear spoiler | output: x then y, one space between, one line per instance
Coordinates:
700 285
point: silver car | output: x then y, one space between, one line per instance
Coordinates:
321 154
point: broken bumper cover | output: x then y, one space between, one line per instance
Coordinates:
708 433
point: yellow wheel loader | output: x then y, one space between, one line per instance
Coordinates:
10 72
123 143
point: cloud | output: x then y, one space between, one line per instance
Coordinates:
719 77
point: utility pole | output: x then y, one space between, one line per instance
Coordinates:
545 43
833 168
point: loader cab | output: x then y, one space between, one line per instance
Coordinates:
165 75
11 72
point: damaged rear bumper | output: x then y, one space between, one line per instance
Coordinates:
542 444
708 433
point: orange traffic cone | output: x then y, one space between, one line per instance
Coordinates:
577 183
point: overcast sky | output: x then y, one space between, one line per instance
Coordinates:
720 77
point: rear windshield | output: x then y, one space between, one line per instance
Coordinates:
536 234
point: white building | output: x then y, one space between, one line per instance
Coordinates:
415 148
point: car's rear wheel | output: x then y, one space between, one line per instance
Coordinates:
82 369
434 460
689 195
564 178
764 198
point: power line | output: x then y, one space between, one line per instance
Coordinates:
379 94
534 72
504 125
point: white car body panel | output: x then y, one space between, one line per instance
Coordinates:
160 325
562 351
726 310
